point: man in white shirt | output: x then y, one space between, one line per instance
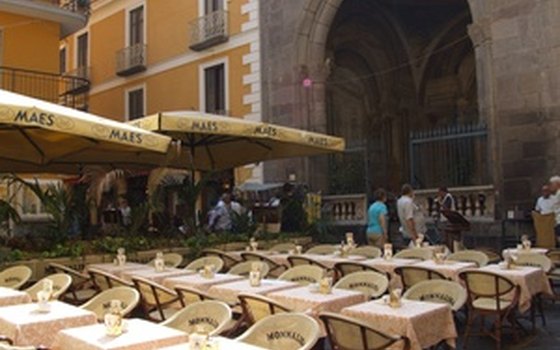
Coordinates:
546 201
410 216
555 190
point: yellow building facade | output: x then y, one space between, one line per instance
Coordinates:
149 56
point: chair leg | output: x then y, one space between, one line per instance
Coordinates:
498 333
532 311
541 309
470 320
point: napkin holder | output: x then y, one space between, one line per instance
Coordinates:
344 250
43 299
198 339
299 249
395 298
159 265
121 257
208 271
439 258
114 319
419 241
325 285
526 245
350 240
387 251
255 278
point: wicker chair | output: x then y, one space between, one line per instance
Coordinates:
61 283
493 257
348 333
103 280
228 259
490 294
158 302
214 317
439 291
81 288
170 259
410 275
543 262
275 269
283 248
322 249
372 284
256 307
129 298
347 267
415 253
15 277
199 263
473 256
245 267
367 251
188 295
303 274
287 331
296 260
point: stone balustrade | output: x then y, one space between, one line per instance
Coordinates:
345 210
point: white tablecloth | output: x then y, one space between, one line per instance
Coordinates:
450 269
223 344
28 327
331 259
116 269
424 324
200 283
389 267
516 251
228 292
155 276
140 335
531 281
10 296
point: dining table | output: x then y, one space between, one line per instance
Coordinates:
388 266
425 324
153 275
116 269
228 292
9 296
26 325
219 343
137 335
199 282
450 269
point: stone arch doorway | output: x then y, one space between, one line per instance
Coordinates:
381 70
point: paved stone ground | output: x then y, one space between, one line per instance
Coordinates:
544 338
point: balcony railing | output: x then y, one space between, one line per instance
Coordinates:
83 83
209 30
345 210
77 6
131 60
50 87
476 203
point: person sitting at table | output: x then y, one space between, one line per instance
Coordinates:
545 202
377 220
410 215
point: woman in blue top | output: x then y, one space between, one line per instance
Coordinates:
377 219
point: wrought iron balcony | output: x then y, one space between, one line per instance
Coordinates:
82 84
209 30
131 60
60 89
78 6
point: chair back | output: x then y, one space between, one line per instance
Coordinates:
212 316
296 260
101 303
256 307
188 295
303 274
228 259
493 257
288 331
348 333
347 267
488 285
61 283
372 284
322 249
170 259
275 269
367 251
410 275
415 253
102 280
78 278
283 248
15 277
554 256
438 291
199 263
244 268
544 229
473 256
535 260
154 297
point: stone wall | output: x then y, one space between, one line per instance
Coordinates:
517 45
